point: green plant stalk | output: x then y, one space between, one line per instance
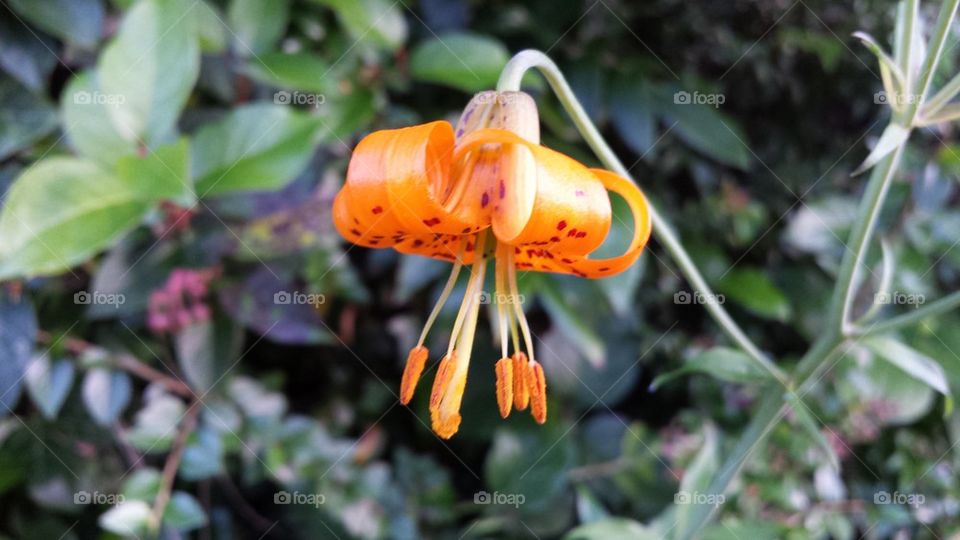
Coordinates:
510 80
938 307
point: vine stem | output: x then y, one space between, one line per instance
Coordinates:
510 80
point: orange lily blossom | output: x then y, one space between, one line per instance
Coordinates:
485 191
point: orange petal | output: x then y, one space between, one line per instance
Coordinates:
538 392
395 184
411 372
545 199
521 392
504 370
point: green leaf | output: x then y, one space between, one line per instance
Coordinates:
61 212
751 288
184 513
257 147
724 363
84 108
161 174
633 113
106 394
203 456
142 485
469 62
155 425
206 351
24 117
298 71
378 22
211 29
18 332
256 25
130 518
613 529
912 362
77 21
892 76
892 137
49 383
150 67
709 131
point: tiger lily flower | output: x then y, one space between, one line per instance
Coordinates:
487 190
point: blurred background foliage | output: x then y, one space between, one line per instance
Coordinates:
182 156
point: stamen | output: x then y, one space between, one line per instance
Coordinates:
521 391
504 369
412 371
517 309
444 294
538 391
448 390
499 296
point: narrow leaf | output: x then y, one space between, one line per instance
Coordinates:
912 362
893 136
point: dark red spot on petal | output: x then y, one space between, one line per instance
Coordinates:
431 222
604 269
465 231
554 238
567 261
417 243
377 209
469 246
561 225
503 189
484 200
581 234
573 232
355 232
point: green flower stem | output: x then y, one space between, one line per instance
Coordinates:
510 81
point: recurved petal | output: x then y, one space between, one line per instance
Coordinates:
396 182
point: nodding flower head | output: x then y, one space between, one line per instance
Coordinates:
484 191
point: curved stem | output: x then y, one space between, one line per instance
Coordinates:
938 307
510 79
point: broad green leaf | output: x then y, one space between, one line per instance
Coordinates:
726 364
298 71
150 67
912 362
466 61
256 25
24 117
61 212
18 331
184 513
206 351
84 109
77 21
893 136
155 426
202 456
809 424
709 131
257 147
24 55
379 22
106 394
141 485
211 28
162 173
613 529
345 115
128 519
751 288
49 383
633 113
